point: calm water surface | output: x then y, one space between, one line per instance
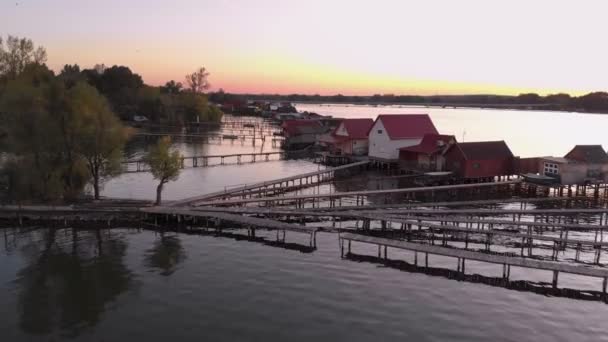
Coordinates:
143 286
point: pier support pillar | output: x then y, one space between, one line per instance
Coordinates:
555 277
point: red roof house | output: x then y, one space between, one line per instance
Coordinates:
483 159
428 155
350 137
301 133
389 133
296 127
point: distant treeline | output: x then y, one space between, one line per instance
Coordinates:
596 102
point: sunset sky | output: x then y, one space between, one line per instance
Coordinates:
331 46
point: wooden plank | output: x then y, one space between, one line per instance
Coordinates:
499 222
201 198
244 220
409 205
493 212
488 231
477 256
360 193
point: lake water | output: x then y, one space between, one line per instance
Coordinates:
140 285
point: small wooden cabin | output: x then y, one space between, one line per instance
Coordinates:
350 137
484 159
426 156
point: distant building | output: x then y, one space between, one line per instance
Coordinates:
428 155
302 133
350 137
389 133
484 159
584 164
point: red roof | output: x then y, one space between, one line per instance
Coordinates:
291 127
431 143
594 154
403 126
356 128
485 150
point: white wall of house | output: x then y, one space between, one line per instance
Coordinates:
382 147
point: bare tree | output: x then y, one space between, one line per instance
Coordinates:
198 81
18 54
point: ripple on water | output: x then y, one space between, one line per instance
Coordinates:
187 287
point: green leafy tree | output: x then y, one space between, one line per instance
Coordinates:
102 137
164 164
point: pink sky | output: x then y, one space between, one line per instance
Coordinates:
327 47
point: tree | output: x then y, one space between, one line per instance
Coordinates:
59 137
171 87
164 164
18 54
198 81
119 84
70 75
102 138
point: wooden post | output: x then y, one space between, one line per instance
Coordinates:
555 276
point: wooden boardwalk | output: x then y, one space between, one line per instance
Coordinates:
358 195
245 221
212 137
527 239
275 185
250 223
140 165
524 201
463 255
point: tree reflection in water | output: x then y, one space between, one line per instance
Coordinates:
70 278
166 254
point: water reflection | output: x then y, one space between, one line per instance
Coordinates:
166 254
240 235
541 288
70 278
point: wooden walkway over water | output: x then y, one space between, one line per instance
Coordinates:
215 220
140 165
463 255
333 198
274 186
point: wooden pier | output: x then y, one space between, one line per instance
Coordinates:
333 199
216 138
275 186
462 255
140 165
194 217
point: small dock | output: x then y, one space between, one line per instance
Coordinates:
463 255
